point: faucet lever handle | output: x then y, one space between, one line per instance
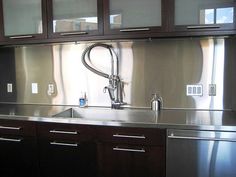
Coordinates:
105 90
110 91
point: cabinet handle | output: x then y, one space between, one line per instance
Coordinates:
10 128
129 136
201 138
135 30
21 37
64 144
73 33
129 150
10 140
203 27
64 132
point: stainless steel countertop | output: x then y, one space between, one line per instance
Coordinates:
175 119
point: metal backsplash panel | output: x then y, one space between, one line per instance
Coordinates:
165 66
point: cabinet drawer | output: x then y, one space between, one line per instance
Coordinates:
12 127
57 131
119 160
139 136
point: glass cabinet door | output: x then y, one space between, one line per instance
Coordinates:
199 13
22 17
127 15
74 17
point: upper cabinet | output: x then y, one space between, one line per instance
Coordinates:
74 18
23 19
40 21
134 16
203 15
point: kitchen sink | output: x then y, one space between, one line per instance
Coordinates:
106 114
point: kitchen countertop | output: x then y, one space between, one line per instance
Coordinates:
167 118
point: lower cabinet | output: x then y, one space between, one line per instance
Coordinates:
40 149
131 152
66 151
118 160
18 150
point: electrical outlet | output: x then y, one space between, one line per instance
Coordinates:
212 90
194 90
9 88
34 88
50 89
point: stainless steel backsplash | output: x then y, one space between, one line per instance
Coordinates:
165 66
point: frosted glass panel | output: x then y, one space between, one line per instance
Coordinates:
135 13
74 15
22 17
194 12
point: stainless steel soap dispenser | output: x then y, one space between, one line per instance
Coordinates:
156 102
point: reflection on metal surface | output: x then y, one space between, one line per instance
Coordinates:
202 153
165 66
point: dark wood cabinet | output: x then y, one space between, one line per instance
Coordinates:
123 160
66 150
128 152
23 20
69 150
43 21
18 149
202 17
74 18
135 18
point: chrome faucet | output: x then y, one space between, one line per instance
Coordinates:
115 87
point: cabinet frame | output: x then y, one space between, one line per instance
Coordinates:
24 37
201 29
71 34
144 31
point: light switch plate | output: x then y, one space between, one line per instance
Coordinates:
34 88
194 90
9 88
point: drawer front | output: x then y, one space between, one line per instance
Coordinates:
119 160
19 128
132 135
60 132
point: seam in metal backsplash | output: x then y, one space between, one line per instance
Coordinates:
165 66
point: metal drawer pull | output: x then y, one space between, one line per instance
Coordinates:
10 128
73 33
64 132
21 37
135 30
10 140
64 144
129 136
201 138
129 150
203 27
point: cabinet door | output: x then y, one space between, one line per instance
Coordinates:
63 158
129 160
134 16
190 15
18 156
23 19
74 17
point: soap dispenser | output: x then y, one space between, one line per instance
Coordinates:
156 102
83 100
